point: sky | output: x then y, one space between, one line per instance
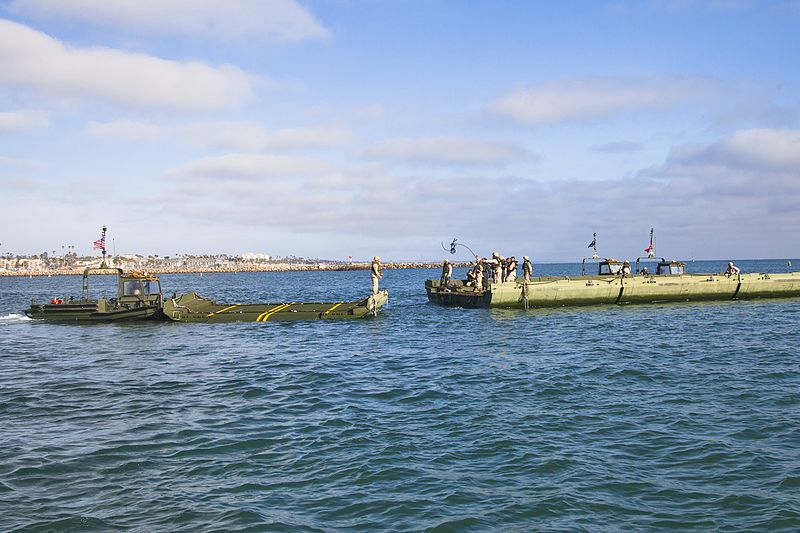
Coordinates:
336 128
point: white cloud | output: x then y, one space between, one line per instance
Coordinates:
239 136
447 150
34 61
581 100
124 129
30 164
22 120
310 137
249 166
755 149
251 136
238 20
750 180
765 148
703 202
714 200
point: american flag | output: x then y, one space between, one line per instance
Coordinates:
99 244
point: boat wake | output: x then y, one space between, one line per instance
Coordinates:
13 317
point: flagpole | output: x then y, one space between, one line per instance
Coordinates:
652 243
103 240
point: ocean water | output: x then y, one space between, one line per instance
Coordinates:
682 417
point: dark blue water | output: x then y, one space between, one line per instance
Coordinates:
634 418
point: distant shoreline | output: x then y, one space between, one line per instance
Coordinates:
276 267
279 267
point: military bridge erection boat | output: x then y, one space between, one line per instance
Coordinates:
139 297
669 283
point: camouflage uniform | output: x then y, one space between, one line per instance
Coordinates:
527 268
479 278
447 273
375 273
511 269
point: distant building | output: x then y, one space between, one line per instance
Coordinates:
250 256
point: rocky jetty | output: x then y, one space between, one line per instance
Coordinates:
242 267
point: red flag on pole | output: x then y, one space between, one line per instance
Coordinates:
650 248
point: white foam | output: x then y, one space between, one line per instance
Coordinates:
14 317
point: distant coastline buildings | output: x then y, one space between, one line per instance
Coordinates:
70 264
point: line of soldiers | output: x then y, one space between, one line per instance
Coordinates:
485 271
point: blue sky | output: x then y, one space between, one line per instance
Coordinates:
341 127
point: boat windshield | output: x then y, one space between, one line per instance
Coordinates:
151 287
671 269
132 288
141 287
610 268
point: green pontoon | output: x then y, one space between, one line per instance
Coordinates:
191 307
669 283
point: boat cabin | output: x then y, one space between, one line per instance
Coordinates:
609 267
605 267
671 268
139 285
661 266
135 289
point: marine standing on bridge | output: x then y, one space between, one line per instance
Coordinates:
471 275
732 270
375 273
511 269
498 270
447 273
527 268
486 269
479 276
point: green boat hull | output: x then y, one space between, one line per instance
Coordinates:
553 291
191 307
91 311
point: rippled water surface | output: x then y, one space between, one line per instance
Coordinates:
632 418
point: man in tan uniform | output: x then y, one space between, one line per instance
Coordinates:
497 265
527 268
470 282
511 269
479 276
447 273
375 273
